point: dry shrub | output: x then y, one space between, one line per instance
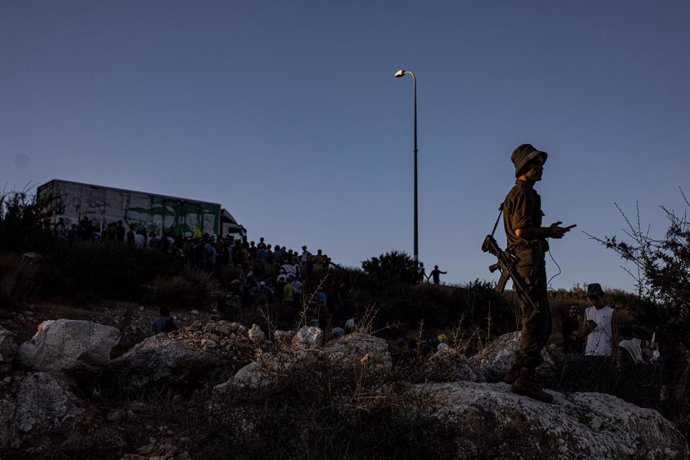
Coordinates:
324 408
192 288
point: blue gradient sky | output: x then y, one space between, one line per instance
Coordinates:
288 114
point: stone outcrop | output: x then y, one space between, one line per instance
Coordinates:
358 347
485 420
308 337
256 335
41 414
488 419
157 360
182 357
45 402
79 347
267 369
492 422
449 366
494 360
341 354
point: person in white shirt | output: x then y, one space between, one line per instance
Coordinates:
599 326
139 239
630 348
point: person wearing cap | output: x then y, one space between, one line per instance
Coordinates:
527 239
599 326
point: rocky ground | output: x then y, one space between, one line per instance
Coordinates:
126 429
169 396
133 320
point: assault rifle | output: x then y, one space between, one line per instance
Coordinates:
506 264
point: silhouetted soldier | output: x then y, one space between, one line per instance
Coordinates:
526 238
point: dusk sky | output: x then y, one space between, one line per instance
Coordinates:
287 113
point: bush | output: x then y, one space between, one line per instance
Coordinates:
190 289
319 409
391 267
662 274
112 271
472 305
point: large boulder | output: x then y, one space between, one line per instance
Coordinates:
69 346
45 403
448 365
8 349
337 355
492 422
42 417
494 360
184 356
269 368
360 347
160 361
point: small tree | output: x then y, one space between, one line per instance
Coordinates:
662 270
662 275
390 267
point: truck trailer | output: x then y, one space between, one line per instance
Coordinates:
74 201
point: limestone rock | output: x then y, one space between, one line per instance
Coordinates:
267 369
492 422
498 357
272 366
69 346
256 335
308 337
360 347
283 337
160 360
45 402
448 365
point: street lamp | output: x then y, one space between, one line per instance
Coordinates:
399 74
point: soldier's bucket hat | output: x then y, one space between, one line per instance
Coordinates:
522 155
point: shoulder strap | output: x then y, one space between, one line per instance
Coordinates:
500 211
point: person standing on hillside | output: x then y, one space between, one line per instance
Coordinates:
435 275
600 326
522 216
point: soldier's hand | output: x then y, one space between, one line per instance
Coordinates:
556 231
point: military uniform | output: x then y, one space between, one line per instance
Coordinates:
522 208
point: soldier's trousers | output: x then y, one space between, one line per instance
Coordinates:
536 319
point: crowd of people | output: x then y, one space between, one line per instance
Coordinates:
598 332
282 281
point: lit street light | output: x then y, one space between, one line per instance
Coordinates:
399 74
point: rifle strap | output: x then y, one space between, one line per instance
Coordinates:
500 211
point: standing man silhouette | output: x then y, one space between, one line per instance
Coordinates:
522 216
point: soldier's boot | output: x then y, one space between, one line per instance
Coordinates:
513 374
526 385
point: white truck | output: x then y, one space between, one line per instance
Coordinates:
74 201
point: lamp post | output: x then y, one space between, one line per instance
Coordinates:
399 74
